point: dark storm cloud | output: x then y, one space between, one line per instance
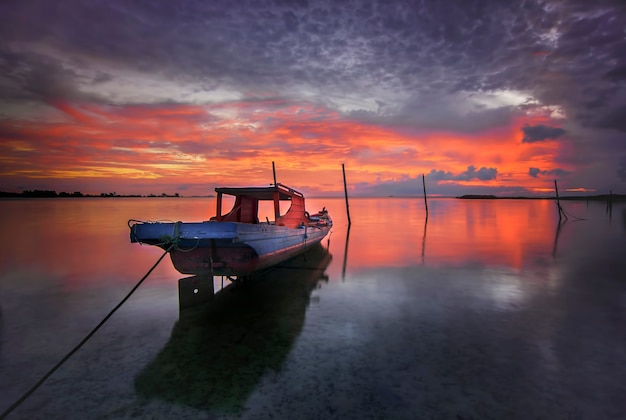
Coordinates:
339 50
617 74
483 174
613 118
29 76
407 65
540 132
621 171
590 63
557 172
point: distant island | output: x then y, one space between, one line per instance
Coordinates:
600 197
53 194
478 196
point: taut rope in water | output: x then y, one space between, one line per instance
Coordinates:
75 349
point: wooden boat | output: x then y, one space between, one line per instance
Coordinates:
237 243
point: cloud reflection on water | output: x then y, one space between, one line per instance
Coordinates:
488 310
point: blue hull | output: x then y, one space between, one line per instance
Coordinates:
227 248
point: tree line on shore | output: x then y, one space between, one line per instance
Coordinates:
53 194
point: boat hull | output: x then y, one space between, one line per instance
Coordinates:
227 248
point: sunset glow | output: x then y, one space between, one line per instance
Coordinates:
187 149
486 111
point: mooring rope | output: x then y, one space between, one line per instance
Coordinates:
75 349
566 213
572 216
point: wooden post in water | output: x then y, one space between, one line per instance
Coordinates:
345 190
425 201
558 202
345 255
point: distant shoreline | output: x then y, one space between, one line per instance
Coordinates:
53 194
599 197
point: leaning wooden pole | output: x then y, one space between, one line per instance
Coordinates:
345 190
425 200
558 202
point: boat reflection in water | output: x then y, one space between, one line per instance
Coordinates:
219 351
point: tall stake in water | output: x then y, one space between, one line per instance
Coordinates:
345 190
558 202
425 201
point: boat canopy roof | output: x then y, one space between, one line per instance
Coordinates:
261 193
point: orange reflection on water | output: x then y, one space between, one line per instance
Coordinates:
84 242
394 232
77 243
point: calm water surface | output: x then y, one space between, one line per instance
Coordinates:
488 310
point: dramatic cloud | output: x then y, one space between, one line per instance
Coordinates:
483 174
393 88
621 172
540 133
535 172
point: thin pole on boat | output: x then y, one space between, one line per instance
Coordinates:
425 201
274 172
345 190
276 195
558 202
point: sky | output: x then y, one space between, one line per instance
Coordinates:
151 97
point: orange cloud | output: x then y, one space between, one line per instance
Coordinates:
175 145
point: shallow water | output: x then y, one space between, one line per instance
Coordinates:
490 309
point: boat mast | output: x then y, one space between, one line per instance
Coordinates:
276 195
